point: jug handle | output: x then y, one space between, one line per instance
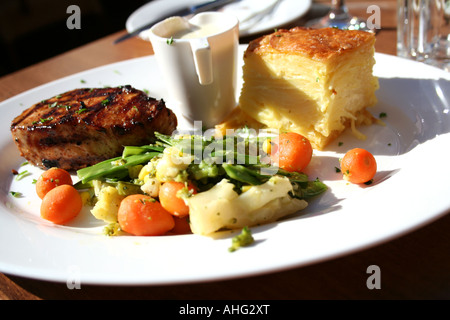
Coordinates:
202 60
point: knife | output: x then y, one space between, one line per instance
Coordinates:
194 9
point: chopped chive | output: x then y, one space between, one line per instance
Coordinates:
22 174
15 194
81 110
43 120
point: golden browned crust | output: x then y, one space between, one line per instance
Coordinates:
237 119
318 44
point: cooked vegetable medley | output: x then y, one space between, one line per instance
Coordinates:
198 183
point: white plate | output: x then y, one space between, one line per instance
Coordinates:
410 190
285 12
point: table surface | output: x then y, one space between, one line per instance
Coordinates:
414 266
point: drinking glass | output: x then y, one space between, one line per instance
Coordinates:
339 17
423 32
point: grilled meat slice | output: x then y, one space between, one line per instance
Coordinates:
84 126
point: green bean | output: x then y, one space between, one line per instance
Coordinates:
244 174
134 150
114 168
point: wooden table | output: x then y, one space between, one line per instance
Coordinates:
415 266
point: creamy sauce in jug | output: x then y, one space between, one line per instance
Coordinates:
197 31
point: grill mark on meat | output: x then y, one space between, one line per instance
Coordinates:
84 126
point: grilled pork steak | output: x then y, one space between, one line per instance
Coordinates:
84 126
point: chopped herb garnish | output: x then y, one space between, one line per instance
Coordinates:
383 115
170 41
112 229
15 194
241 240
145 201
83 81
81 110
56 105
337 169
105 102
34 181
340 143
22 174
43 120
